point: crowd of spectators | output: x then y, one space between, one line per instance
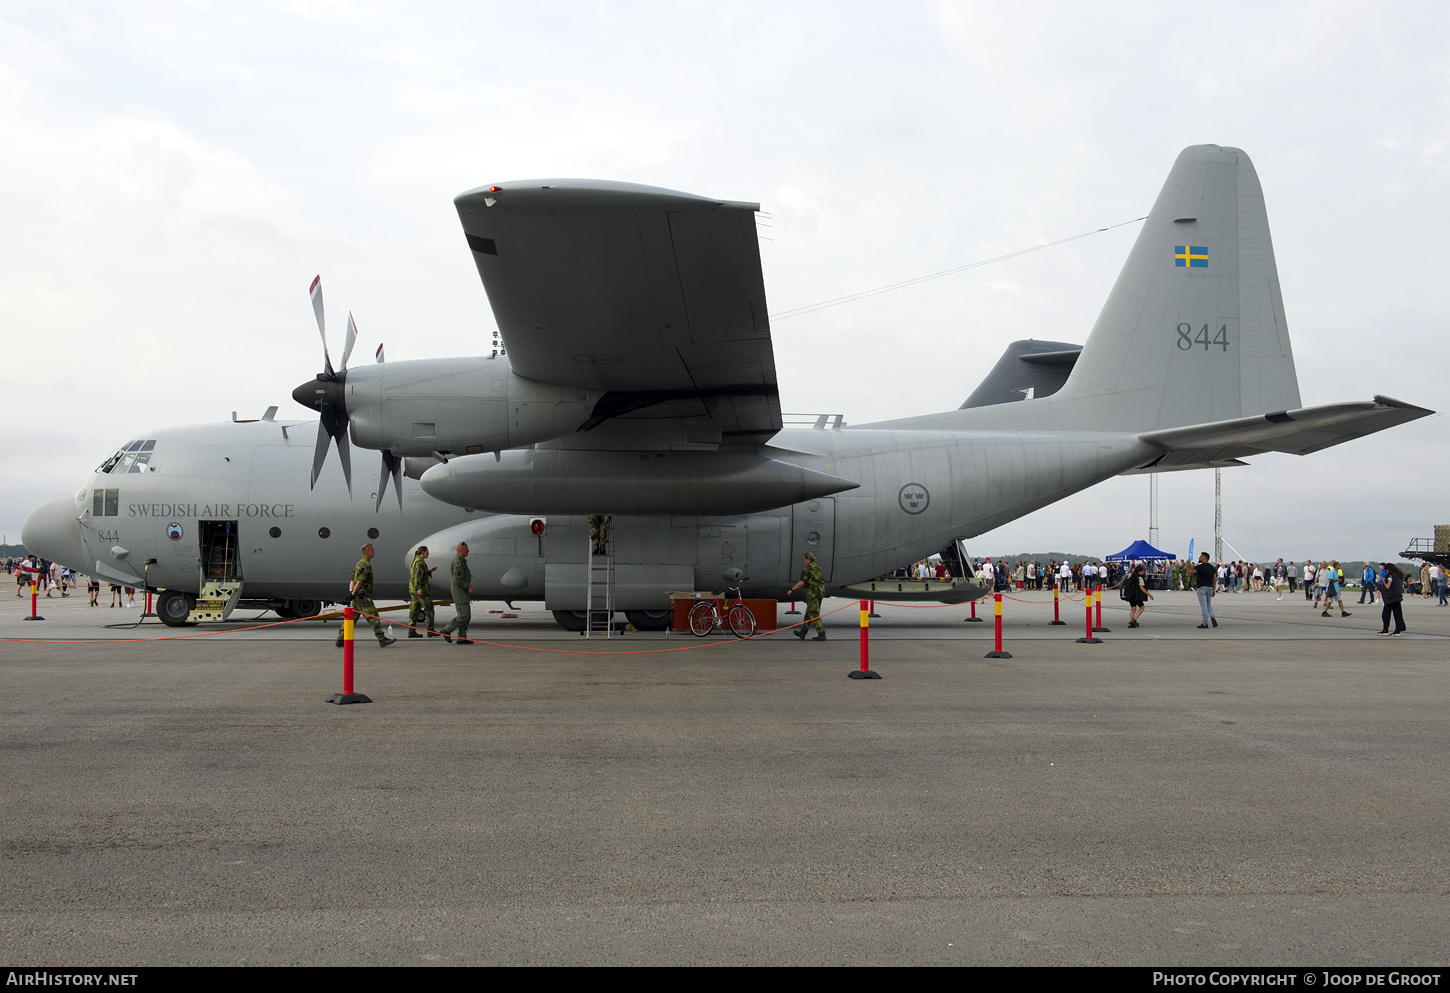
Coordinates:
51 578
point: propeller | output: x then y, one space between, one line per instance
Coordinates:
326 395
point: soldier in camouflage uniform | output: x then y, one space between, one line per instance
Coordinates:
361 588
599 532
420 595
814 582
459 579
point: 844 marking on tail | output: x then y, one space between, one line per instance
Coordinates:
1187 339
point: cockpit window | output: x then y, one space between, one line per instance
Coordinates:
132 457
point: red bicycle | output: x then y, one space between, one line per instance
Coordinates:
706 616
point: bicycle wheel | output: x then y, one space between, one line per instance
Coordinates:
742 621
703 618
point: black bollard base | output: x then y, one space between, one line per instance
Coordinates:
858 674
997 655
1057 623
349 698
32 618
972 620
1098 630
1089 641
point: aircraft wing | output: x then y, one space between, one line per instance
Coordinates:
653 296
1298 432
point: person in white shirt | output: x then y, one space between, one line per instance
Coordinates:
26 573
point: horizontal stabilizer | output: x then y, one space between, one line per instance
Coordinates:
1297 432
1027 370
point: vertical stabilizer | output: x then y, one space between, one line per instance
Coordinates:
1194 329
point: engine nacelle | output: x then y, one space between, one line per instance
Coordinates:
457 406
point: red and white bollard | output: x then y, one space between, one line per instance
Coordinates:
1089 639
997 611
865 671
349 618
1100 610
33 600
1056 617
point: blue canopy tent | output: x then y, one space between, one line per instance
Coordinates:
1141 551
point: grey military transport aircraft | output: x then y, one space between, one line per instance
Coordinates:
634 377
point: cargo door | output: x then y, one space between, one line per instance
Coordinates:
221 571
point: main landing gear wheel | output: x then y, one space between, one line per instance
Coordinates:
648 620
304 608
173 607
742 622
573 620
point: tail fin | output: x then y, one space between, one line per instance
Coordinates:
1194 328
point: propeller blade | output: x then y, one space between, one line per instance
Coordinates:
378 355
319 454
392 469
349 341
335 427
316 293
344 455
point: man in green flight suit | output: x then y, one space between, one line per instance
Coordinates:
420 595
361 588
459 579
814 581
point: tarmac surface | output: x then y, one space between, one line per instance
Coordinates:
1272 791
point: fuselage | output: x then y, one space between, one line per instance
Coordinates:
150 519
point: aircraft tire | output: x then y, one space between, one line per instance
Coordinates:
173 606
303 608
649 620
570 620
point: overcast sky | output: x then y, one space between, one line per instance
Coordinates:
173 175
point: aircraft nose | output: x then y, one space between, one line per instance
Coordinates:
52 532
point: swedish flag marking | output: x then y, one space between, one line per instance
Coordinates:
1191 255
